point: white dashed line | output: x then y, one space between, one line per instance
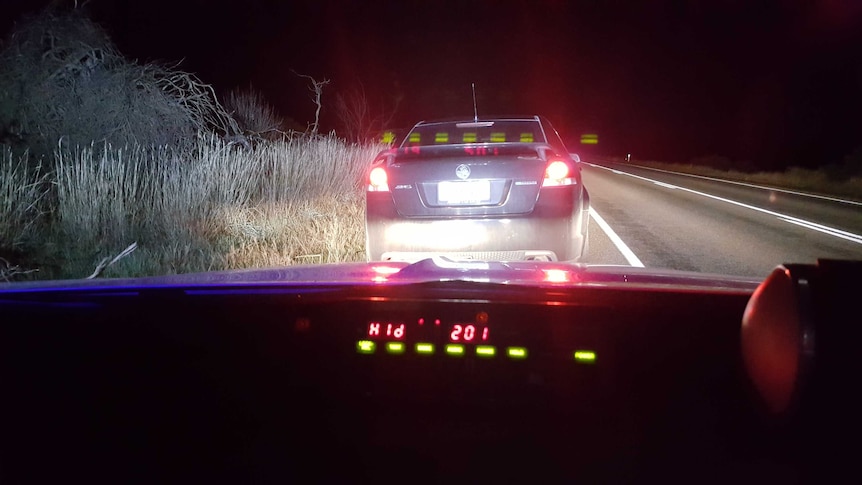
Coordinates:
621 246
831 231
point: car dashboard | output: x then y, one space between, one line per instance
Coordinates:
586 376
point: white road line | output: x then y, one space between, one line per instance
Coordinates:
849 236
744 184
841 234
621 246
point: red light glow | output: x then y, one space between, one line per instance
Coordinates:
556 275
378 180
382 272
558 173
385 270
481 151
556 170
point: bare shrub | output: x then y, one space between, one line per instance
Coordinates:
359 121
61 77
254 116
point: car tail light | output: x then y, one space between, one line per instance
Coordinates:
378 180
557 173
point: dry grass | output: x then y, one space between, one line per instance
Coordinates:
297 201
23 214
23 191
321 230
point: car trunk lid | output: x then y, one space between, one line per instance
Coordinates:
466 180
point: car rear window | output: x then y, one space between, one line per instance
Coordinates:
452 133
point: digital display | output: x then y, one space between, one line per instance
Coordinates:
459 331
388 329
469 333
453 336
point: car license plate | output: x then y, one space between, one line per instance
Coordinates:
464 192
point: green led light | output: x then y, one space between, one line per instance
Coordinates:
415 138
455 350
589 139
485 351
585 356
395 347
441 137
498 137
469 138
526 138
516 352
425 349
365 347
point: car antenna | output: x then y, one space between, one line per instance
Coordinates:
475 111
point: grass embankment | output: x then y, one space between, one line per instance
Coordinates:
794 178
212 207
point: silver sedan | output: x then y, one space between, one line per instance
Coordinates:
498 189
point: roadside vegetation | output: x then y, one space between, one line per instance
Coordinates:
110 168
209 206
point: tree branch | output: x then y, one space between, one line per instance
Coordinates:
316 88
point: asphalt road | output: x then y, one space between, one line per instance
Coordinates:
660 219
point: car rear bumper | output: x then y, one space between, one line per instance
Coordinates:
554 231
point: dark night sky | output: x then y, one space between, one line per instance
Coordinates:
775 83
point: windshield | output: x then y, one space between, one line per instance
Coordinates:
156 138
